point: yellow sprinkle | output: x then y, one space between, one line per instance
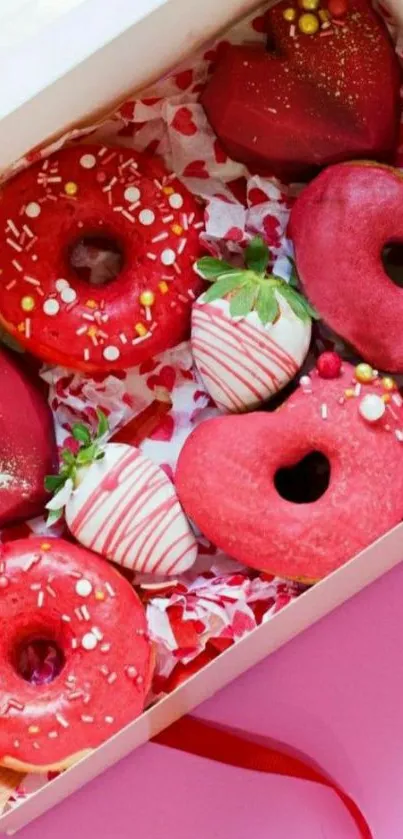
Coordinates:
140 329
45 546
388 383
21 327
163 287
349 393
147 298
289 14
168 190
177 229
385 398
91 304
324 15
70 188
27 304
92 331
34 729
99 595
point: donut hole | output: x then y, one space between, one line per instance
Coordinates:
392 260
96 259
305 481
38 660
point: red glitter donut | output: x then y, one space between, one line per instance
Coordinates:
57 592
299 491
87 194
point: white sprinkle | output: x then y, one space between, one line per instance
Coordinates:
140 339
134 206
176 201
31 280
167 219
102 151
104 670
399 435
17 264
51 591
14 245
36 745
86 354
109 720
105 648
122 338
62 720
131 672
357 389
77 694
41 598
16 743
87 161
28 231
88 317
27 327
78 614
111 353
191 218
148 313
81 330
109 158
89 641
140 632
109 186
112 678
160 237
52 735
12 227
177 269
168 256
184 220
292 30
97 632
68 295
139 680
323 411
397 399
85 613
83 587
151 256
66 618
146 217
127 163
181 246
53 181
11 285
128 216
51 307
110 590
74 643
32 210
132 194
61 284
86 718
199 225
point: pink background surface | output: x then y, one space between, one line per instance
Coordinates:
334 693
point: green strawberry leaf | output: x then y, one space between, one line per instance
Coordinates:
257 255
301 308
68 457
242 302
103 425
54 482
267 306
210 268
86 455
294 279
81 433
223 286
54 516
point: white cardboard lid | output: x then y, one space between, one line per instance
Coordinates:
63 60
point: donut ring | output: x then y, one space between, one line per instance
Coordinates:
123 197
27 444
62 593
238 505
339 226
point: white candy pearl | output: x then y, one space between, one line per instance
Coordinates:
51 307
168 256
68 295
32 210
87 161
176 201
89 641
372 407
146 217
132 194
83 587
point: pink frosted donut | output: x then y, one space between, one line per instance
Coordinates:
59 593
299 491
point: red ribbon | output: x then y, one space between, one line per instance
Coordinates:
236 749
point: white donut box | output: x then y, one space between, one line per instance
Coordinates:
62 62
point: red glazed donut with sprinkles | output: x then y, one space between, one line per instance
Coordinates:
144 216
59 594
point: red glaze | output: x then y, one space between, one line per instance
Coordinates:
315 100
27 443
328 365
99 690
237 506
119 195
339 226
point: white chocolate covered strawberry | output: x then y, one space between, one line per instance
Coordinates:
122 506
250 331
